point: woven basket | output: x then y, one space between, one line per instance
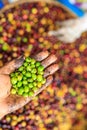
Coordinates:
54 2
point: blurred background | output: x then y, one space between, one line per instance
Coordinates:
63 104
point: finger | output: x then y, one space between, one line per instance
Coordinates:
41 56
51 69
49 60
14 102
11 66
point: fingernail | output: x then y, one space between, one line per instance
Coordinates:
19 61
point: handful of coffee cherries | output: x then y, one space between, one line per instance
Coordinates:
28 78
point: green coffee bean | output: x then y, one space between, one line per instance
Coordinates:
34 89
20 91
24 72
30 80
34 83
14 80
34 76
13 91
19 84
30 85
28 68
20 77
25 94
21 68
30 94
25 64
34 71
26 89
40 68
25 82
39 78
43 81
28 74
37 64
33 61
28 59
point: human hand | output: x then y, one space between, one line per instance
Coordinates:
9 102
70 29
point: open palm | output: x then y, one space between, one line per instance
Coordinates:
9 102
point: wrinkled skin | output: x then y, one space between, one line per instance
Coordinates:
10 103
70 30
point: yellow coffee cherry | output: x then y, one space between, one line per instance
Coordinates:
78 69
82 47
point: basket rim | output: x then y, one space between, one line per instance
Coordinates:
31 1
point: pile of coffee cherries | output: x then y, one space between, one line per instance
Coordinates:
28 78
62 105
